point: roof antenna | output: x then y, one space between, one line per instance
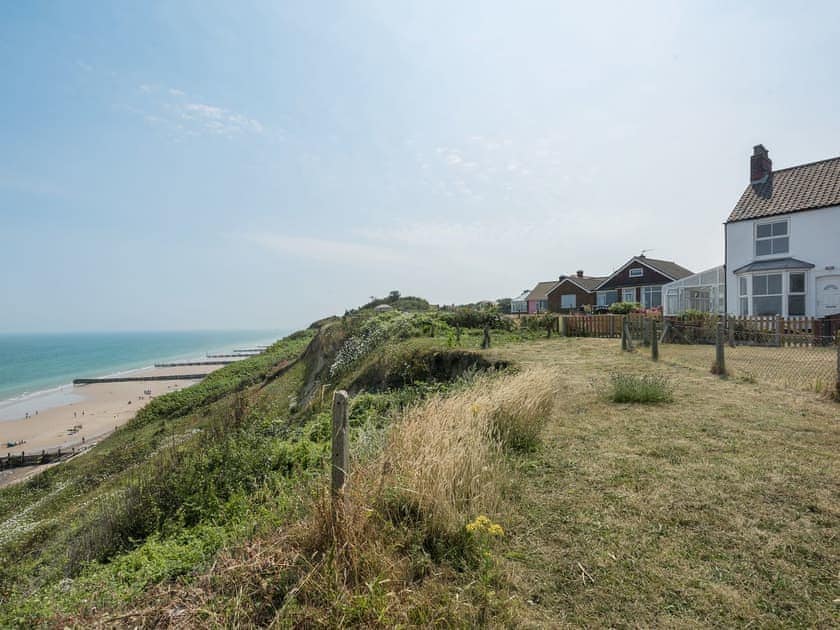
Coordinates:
645 251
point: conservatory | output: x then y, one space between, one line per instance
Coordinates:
704 291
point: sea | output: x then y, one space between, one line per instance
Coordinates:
37 370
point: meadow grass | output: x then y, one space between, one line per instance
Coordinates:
635 388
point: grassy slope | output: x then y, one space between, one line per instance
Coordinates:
715 509
718 509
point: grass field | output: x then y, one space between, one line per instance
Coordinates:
718 509
807 368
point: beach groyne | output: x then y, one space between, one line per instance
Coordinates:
183 363
238 355
132 379
37 458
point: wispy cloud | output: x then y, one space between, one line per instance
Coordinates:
174 109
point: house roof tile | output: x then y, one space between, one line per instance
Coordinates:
540 292
804 187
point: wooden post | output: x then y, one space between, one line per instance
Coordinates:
654 341
779 331
623 335
837 376
564 326
730 323
645 331
485 342
339 445
720 359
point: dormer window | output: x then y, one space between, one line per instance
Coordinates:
636 272
771 238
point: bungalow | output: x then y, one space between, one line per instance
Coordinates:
538 297
783 241
573 292
640 279
519 304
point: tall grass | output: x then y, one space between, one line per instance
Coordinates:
647 388
393 555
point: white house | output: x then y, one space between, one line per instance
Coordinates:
783 241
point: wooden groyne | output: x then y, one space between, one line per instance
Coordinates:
183 363
36 458
250 350
239 355
132 379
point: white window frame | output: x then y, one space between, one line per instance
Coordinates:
564 301
744 295
602 296
781 295
791 293
771 238
632 273
644 292
624 293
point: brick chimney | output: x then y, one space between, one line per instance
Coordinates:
761 166
579 273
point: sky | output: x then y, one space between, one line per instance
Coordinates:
254 165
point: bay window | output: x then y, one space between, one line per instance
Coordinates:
744 296
796 294
767 294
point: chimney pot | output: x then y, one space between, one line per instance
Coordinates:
761 166
580 273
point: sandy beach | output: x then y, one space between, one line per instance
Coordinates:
96 410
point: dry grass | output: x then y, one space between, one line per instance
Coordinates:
805 368
395 553
717 510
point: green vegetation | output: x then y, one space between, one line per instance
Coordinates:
645 388
473 498
622 308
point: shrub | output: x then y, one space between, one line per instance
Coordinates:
648 388
622 308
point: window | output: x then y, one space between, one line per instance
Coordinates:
744 296
652 297
767 294
605 298
796 294
636 272
628 295
771 238
568 301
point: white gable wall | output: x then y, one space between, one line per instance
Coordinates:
814 238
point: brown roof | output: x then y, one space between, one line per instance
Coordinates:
668 267
587 283
540 292
804 187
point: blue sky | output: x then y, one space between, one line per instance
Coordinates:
182 165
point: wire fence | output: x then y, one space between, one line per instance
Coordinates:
790 356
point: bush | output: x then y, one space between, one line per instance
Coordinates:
622 308
648 388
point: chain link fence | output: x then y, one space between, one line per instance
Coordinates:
787 356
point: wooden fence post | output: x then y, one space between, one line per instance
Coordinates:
837 375
720 359
779 331
623 335
339 445
564 326
654 341
730 329
485 342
